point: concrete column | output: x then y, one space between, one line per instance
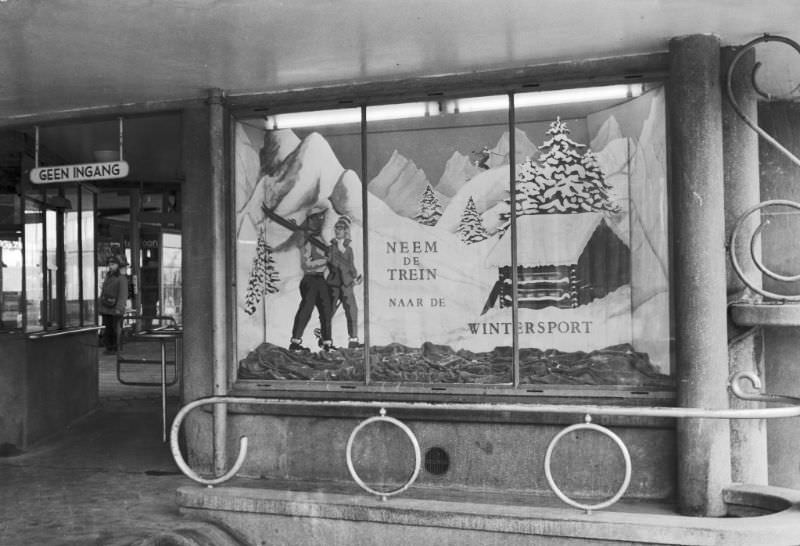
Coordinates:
196 256
695 123
740 145
219 259
197 314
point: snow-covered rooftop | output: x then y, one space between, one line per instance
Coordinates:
547 239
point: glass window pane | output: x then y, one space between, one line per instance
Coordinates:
561 278
149 278
299 247
593 285
10 261
171 283
34 266
437 186
51 272
89 269
72 277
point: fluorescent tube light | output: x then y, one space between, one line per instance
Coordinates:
352 115
402 111
454 106
544 98
581 94
295 120
477 104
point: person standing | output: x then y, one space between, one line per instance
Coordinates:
313 288
343 276
113 296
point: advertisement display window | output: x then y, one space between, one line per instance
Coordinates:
517 241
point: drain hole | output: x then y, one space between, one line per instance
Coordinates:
437 461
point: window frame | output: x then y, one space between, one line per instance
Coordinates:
307 389
54 303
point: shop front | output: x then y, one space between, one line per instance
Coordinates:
429 285
68 204
470 309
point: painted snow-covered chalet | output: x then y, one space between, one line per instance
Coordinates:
563 260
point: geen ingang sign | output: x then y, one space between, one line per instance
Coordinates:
80 173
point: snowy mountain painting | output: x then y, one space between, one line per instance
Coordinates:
436 253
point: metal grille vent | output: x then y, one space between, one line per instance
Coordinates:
437 461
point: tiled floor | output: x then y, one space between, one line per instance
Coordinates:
108 480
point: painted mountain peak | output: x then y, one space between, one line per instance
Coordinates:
401 185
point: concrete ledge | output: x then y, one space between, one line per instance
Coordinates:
291 517
759 500
766 314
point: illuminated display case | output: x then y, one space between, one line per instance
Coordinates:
515 241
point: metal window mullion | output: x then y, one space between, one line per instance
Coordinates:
513 219
96 288
23 307
61 261
45 269
79 189
365 242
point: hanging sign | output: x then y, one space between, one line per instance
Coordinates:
80 173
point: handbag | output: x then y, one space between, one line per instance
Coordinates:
108 300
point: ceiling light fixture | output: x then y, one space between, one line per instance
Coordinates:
317 118
410 110
544 98
382 112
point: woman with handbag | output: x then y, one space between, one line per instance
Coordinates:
113 296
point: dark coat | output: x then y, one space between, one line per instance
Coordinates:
115 286
341 265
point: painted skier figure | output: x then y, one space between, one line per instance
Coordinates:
343 276
314 290
483 158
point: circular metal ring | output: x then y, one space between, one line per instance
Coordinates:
735 261
560 494
417 455
760 265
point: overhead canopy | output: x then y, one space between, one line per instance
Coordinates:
61 55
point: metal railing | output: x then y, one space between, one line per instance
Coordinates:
588 411
742 221
161 329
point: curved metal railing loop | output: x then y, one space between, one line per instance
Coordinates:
175 447
740 223
729 87
414 443
754 74
739 378
757 260
791 410
588 425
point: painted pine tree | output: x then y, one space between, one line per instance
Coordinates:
470 228
527 190
263 275
562 180
430 210
598 189
562 175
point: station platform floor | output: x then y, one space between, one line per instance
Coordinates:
109 480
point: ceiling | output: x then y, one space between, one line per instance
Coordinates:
57 56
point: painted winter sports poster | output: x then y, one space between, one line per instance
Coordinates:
417 257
